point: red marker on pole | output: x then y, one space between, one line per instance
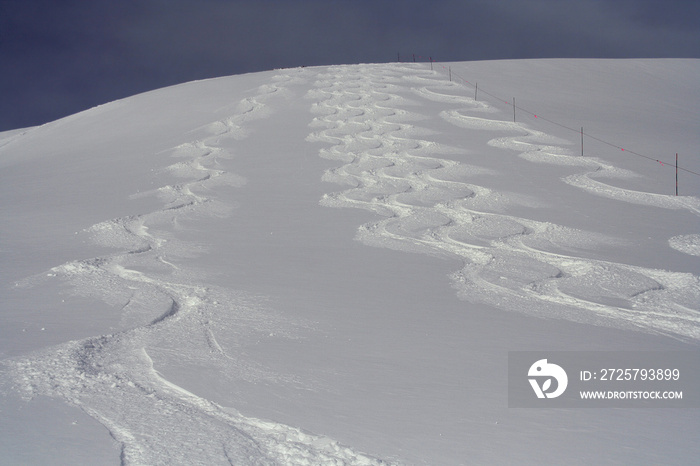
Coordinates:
676 173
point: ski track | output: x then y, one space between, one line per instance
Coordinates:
430 205
427 204
168 312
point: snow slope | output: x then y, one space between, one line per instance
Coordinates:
176 288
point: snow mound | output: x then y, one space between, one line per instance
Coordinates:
688 244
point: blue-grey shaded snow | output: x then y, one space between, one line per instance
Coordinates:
330 264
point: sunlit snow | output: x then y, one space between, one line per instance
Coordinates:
329 265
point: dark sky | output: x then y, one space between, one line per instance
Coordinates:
58 57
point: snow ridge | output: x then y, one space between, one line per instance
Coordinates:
430 205
113 377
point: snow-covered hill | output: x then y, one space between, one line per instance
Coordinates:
330 264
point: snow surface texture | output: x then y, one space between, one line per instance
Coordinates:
112 378
395 138
432 206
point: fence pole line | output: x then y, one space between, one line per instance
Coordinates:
564 126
